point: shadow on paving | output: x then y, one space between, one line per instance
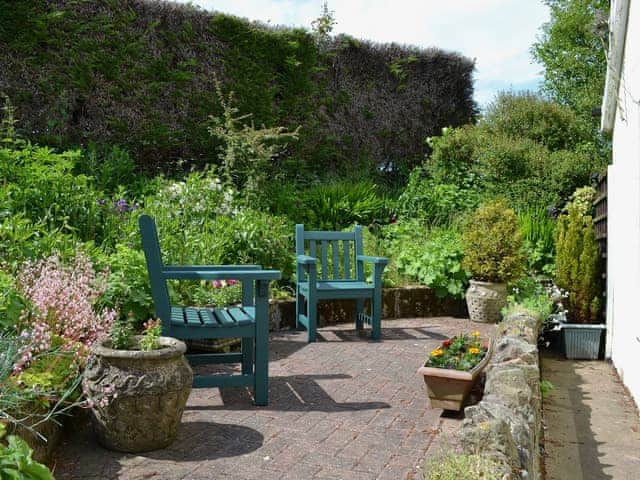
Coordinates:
572 450
388 334
196 442
292 393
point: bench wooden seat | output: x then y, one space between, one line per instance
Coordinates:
250 321
330 266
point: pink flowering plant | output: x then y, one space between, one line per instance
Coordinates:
62 302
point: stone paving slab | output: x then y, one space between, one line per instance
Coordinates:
341 408
592 426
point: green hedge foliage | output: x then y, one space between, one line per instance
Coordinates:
141 74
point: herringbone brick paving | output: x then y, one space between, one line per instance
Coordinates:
341 408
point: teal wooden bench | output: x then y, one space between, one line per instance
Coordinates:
250 321
344 278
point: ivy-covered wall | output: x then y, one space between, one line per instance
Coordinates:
141 74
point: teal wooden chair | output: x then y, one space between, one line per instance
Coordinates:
250 322
344 278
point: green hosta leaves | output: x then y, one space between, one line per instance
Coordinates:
16 462
435 262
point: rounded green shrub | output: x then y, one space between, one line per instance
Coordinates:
493 244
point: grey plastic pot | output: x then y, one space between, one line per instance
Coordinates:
582 342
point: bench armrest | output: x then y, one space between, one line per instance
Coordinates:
374 260
306 260
207 274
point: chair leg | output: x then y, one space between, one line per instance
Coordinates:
299 310
261 376
376 314
312 316
247 355
359 312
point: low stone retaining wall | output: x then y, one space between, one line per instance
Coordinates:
506 424
405 302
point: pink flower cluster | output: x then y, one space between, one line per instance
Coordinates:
63 301
223 283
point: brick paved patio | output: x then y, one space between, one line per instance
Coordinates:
341 408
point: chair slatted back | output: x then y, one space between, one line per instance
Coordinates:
336 253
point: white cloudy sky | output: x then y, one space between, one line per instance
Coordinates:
497 33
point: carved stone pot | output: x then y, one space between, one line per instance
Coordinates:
137 397
485 300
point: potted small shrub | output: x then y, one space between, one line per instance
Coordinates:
493 256
452 369
578 277
137 387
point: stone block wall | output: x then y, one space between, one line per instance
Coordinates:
405 302
506 424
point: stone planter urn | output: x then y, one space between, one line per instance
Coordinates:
485 300
137 397
449 389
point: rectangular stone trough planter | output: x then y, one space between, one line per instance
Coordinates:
449 389
582 342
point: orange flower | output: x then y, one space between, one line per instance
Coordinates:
446 343
437 352
474 350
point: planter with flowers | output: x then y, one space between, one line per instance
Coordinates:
452 369
137 387
493 256
578 278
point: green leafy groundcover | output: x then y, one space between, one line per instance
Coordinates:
16 462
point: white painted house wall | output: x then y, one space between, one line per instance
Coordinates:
621 115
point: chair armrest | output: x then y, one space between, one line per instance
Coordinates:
374 260
306 260
206 274
210 268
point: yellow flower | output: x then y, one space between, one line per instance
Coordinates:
474 350
475 334
437 352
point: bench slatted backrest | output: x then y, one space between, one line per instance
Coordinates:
159 291
336 253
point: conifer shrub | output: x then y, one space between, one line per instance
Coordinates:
492 243
577 262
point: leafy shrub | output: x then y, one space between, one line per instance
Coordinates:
110 166
434 261
127 288
333 205
12 303
496 161
462 467
246 152
435 203
527 115
453 155
40 184
537 228
577 262
16 461
492 244
530 296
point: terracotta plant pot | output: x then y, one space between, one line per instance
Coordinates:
145 394
449 389
485 300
